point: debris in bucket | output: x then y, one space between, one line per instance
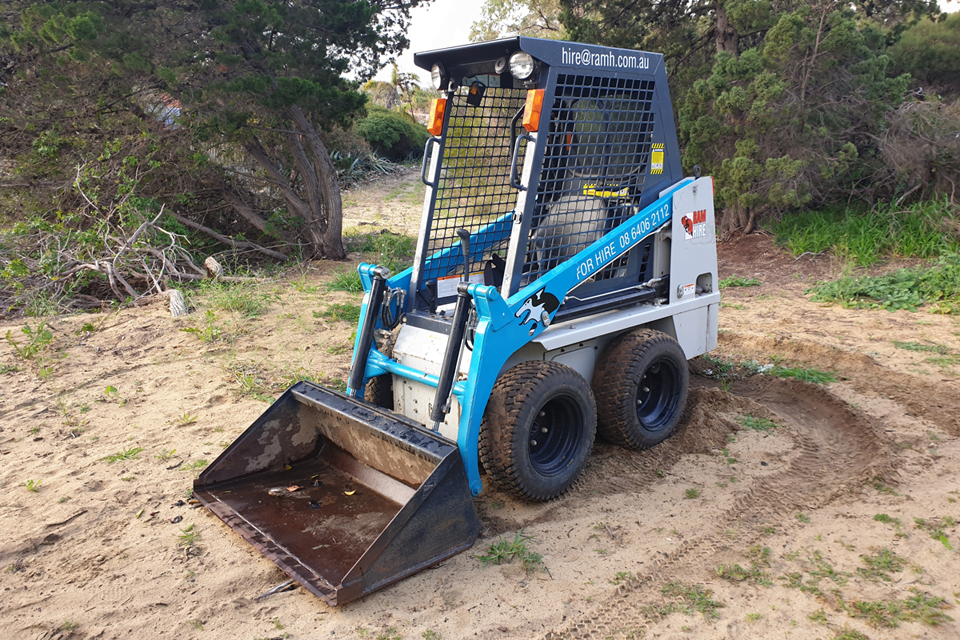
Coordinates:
315 481
349 491
315 504
293 488
277 491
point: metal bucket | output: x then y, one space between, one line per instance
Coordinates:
343 496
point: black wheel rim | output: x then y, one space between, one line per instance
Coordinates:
555 435
658 394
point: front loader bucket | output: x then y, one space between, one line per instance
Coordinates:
343 496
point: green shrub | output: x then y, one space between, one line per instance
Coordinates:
392 135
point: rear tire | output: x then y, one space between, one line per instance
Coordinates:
379 391
538 429
641 385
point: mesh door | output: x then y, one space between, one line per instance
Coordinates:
595 160
474 184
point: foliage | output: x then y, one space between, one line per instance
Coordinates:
210 332
793 122
505 18
922 230
339 311
244 298
694 598
130 453
188 536
918 606
503 551
910 289
813 376
37 340
242 89
391 250
392 135
879 564
739 281
785 103
758 424
930 52
402 94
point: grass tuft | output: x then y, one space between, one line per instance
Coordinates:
131 453
503 551
739 281
919 607
694 598
880 564
908 289
867 237
758 424
814 376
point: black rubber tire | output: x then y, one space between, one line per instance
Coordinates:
528 398
379 391
641 384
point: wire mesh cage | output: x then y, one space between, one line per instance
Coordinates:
596 156
473 188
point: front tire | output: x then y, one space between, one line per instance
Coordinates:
538 429
379 391
641 386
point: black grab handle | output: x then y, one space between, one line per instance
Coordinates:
426 161
514 178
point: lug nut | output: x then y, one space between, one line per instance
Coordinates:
543 429
646 389
533 443
542 414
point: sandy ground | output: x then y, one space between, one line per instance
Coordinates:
98 550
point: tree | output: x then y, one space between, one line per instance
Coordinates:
264 76
930 52
503 18
784 102
795 121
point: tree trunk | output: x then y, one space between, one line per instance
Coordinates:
326 178
727 37
322 210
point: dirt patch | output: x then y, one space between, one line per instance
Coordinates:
821 478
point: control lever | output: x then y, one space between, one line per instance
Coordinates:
464 236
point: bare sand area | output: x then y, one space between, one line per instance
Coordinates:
780 508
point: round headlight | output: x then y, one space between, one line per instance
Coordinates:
521 65
436 75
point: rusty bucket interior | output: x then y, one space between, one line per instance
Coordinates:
343 496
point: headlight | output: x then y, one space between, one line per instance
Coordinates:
521 65
436 75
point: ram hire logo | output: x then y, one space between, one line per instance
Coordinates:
694 224
588 58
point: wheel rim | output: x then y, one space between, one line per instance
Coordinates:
658 394
555 435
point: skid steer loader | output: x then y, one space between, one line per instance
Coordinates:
565 271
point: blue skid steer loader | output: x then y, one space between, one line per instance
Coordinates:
565 271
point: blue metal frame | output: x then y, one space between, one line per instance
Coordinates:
506 325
